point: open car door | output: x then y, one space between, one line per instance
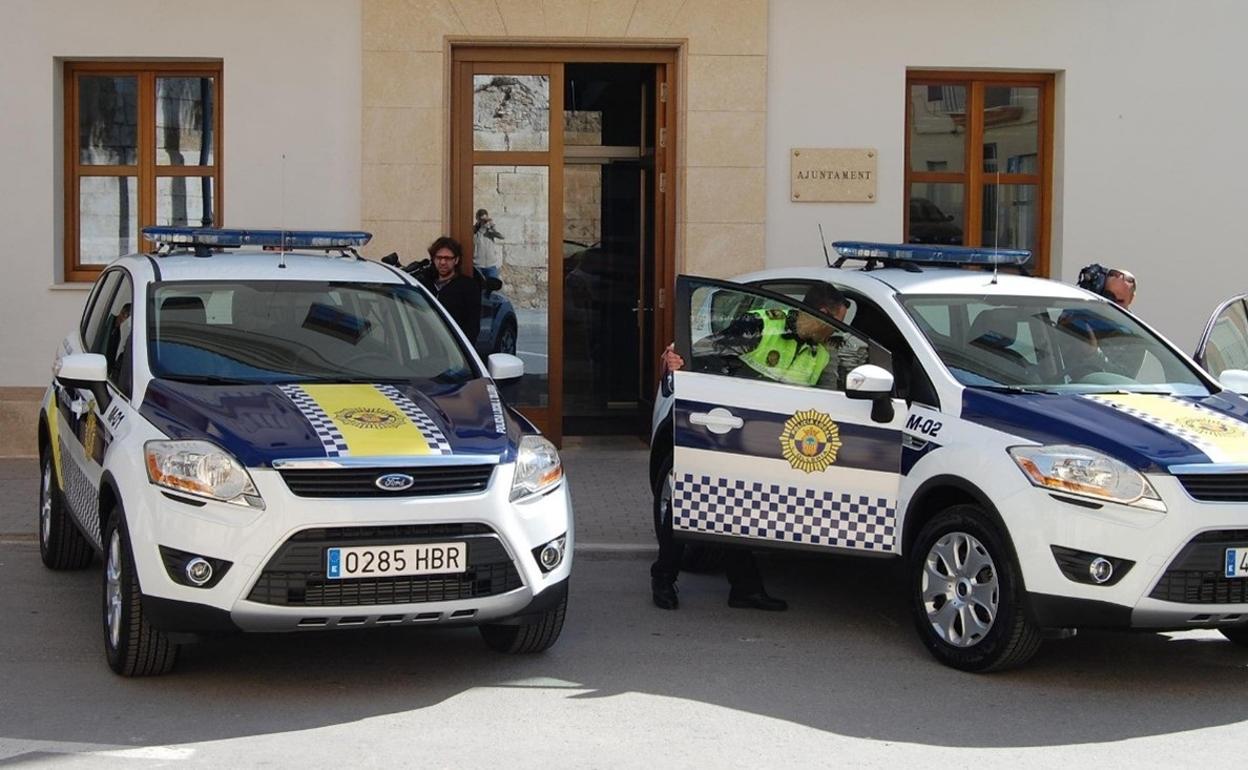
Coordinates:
768 462
1223 349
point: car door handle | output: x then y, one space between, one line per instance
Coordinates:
718 420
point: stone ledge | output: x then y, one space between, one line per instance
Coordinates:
19 418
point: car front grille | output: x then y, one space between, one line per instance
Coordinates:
427 481
295 576
1216 487
1197 576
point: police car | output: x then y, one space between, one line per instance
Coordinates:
277 440
1041 459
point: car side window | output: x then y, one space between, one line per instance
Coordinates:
93 320
117 335
738 333
1227 347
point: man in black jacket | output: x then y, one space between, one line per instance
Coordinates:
458 293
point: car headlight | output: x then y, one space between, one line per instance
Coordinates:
1086 472
538 467
200 469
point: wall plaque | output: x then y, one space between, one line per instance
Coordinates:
821 175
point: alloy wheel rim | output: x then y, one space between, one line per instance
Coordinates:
45 504
961 592
112 591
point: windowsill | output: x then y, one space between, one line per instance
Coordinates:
75 286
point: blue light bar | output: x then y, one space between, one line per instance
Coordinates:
923 254
227 238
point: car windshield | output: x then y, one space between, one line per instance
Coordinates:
1049 344
299 331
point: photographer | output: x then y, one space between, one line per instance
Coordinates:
458 293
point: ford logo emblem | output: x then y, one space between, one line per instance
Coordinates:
394 482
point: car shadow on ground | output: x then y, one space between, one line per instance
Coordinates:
844 659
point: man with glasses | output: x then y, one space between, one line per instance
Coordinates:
458 293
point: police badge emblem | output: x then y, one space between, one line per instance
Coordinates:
810 441
370 418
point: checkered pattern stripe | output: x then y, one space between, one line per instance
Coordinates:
331 438
1190 436
438 444
81 497
789 514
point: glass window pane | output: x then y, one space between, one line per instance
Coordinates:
935 214
1010 216
184 200
510 112
1011 129
512 243
184 121
108 120
108 218
938 128
1227 347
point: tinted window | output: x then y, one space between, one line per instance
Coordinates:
92 339
1049 344
300 331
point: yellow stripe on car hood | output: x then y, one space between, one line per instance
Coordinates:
362 421
1224 439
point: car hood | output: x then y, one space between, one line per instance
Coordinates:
259 424
1150 432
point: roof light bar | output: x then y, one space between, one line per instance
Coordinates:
227 238
923 254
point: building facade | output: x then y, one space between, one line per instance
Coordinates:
616 143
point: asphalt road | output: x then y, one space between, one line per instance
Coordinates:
840 679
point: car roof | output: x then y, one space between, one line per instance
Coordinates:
267 266
930 280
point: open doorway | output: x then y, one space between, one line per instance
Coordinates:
559 191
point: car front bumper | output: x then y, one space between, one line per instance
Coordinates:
252 594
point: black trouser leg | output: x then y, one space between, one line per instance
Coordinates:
667 566
743 574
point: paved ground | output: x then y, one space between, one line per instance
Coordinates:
839 680
607 476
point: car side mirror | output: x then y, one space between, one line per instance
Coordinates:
1235 380
85 371
504 367
872 383
492 284
391 259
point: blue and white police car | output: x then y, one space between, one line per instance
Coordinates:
278 440
1041 459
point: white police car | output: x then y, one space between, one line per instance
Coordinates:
1041 458
271 441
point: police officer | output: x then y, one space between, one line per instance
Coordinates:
786 346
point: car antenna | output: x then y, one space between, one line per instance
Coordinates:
281 259
824 241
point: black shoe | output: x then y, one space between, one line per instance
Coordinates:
664 592
756 600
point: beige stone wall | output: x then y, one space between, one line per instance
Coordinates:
721 99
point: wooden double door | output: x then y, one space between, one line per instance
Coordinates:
562 163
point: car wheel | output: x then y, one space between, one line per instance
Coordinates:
507 340
133 647
61 545
1237 634
534 636
967 596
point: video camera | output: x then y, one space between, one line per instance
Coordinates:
1092 278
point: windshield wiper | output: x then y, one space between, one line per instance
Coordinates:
1014 389
206 379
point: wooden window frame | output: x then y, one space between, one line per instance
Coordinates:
973 177
145 170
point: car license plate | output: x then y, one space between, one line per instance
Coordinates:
1236 562
396 560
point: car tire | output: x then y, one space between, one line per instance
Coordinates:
61 545
133 647
507 339
967 595
534 636
1236 634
